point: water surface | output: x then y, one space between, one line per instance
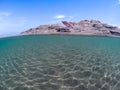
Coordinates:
49 62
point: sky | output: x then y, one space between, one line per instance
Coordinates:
20 15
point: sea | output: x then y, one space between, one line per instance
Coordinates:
59 62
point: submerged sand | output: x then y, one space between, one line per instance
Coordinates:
59 63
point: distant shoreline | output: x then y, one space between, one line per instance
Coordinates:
84 27
106 36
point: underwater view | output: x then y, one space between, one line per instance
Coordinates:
58 62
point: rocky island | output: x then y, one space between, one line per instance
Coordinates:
84 27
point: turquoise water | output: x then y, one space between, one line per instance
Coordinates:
51 62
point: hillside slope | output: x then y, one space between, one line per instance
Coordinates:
84 27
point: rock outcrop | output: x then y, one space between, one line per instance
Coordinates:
84 27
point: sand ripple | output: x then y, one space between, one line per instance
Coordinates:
58 66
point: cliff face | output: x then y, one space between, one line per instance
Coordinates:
84 27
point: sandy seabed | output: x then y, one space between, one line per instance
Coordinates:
59 63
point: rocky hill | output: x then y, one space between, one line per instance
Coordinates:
84 27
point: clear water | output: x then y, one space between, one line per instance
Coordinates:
59 63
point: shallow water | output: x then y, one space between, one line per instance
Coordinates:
49 62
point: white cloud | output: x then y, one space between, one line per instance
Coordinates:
59 16
10 23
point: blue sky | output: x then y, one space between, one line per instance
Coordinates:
19 15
